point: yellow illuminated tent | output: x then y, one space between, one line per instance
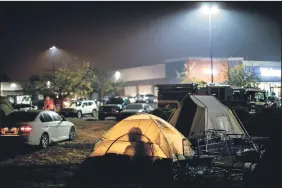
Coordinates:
138 149
159 139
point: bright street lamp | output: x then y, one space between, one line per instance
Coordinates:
53 48
117 75
210 10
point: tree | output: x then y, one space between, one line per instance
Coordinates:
186 77
243 76
65 81
103 82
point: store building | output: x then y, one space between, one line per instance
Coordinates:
10 88
141 80
270 75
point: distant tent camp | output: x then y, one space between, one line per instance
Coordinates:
165 141
140 148
201 113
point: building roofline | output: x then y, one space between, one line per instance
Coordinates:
262 63
203 58
139 67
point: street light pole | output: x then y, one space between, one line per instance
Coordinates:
210 24
210 10
53 75
53 66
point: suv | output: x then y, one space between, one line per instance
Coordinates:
149 98
113 107
81 108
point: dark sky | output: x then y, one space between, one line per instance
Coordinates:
116 35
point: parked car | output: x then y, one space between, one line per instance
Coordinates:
131 99
24 107
273 102
148 98
5 109
81 108
37 128
139 98
113 107
134 109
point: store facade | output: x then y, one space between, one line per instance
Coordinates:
269 73
141 80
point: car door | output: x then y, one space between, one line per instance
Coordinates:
84 107
90 107
50 126
62 126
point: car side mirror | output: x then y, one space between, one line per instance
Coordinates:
63 118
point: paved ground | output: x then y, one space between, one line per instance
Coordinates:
30 167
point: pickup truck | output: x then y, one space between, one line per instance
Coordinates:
112 107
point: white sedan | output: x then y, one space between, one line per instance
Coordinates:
38 127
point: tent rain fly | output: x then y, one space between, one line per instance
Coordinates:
201 113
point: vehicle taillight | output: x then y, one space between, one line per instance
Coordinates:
26 129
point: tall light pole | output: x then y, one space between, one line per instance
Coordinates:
52 49
210 10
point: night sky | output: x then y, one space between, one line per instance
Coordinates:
113 35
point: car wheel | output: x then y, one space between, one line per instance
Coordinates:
94 114
72 134
79 115
44 141
101 117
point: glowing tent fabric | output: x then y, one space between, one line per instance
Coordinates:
143 135
200 113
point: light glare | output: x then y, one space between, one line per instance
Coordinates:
209 10
117 75
208 71
13 85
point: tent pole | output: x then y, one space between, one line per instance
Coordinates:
244 129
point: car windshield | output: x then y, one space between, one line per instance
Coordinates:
75 104
134 106
256 96
22 116
115 101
